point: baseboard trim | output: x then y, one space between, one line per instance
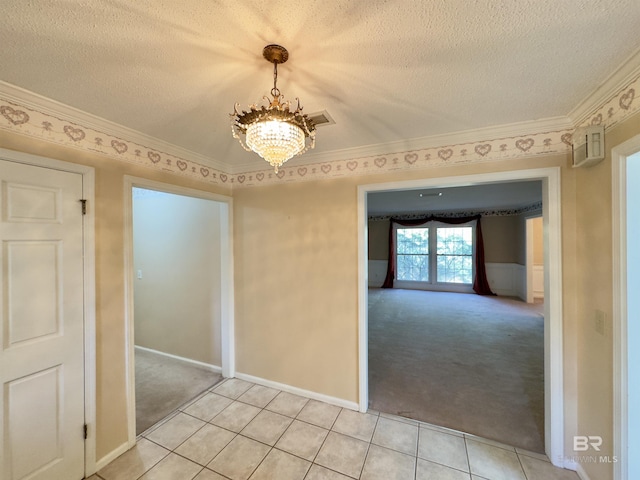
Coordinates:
340 402
576 467
112 455
208 366
581 473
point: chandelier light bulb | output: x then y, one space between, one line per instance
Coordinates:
275 141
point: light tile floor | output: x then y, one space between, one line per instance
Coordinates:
238 431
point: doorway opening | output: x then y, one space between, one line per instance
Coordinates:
176 259
626 308
550 179
447 356
179 297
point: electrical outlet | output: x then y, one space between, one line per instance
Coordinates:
599 322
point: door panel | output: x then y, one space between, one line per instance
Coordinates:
28 320
32 204
34 406
42 324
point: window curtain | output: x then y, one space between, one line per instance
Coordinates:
480 283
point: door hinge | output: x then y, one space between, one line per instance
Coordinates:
83 202
86 431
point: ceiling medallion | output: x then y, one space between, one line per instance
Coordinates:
274 132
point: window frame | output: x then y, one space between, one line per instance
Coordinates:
433 283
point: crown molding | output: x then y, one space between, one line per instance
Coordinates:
60 110
496 132
33 115
620 78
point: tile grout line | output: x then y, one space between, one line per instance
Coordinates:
429 460
174 451
163 457
524 473
313 462
368 447
262 409
415 472
466 451
271 447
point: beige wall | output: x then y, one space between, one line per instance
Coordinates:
176 244
538 241
111 409
300 328
378 238
594 293
520 239
296 283
500 235
296 278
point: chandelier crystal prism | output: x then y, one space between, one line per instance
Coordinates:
275 132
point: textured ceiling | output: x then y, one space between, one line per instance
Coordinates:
385 70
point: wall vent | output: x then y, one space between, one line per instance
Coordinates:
588 146
321 119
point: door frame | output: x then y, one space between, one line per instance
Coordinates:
553 333
89 290
619 158
227 319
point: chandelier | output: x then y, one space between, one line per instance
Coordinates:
274 132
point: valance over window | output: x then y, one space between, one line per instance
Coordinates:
480 283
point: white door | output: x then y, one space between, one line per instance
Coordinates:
42 324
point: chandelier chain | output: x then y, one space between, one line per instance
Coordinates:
274 91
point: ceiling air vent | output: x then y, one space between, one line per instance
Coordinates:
321 119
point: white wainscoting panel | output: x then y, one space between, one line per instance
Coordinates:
507 279
377 272
538 281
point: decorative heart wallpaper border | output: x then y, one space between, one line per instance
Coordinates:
617 108
33 123
546 143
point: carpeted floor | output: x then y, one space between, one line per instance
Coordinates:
463 361
163 384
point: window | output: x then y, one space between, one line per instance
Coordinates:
435 254
413 254
455 254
